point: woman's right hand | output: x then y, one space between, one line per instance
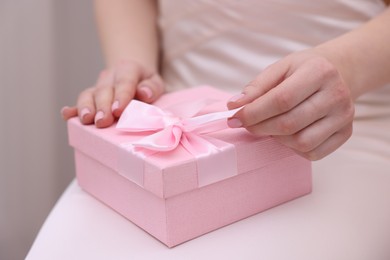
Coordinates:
114 89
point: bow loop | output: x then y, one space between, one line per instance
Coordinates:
142 117
171 129
165 140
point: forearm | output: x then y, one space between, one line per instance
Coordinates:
362 55
128 31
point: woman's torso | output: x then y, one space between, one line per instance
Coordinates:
227 43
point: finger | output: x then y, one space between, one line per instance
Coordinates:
330 145
293 121
86 106
68 112
103 100
266 80
103 97
150 89
127 77
288 94
316 134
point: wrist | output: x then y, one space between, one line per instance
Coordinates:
150 67
362 55
341 60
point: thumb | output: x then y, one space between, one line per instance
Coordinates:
150 89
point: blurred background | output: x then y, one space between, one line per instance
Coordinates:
49 52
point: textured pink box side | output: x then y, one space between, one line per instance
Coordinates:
183 217
130 200
208 208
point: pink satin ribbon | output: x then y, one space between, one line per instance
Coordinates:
175 125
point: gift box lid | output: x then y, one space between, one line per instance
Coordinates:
170 173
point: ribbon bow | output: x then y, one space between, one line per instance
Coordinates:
173 126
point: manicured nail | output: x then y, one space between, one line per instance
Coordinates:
99 115
145 92
85 111
115 106
234 122
236 97
63 109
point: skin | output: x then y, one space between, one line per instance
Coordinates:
131 53
305 100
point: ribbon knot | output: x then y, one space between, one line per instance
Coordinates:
165 129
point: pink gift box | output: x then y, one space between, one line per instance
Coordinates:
176 195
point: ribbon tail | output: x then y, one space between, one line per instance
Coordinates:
209 122
188 110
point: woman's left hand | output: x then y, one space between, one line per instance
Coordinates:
302 101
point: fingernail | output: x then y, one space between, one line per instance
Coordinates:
99 116
63 109
115 106
236 97
85 111
145 92
234 122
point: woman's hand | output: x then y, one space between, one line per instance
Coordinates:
114 89
302 101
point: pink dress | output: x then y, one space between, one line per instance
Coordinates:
227 43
